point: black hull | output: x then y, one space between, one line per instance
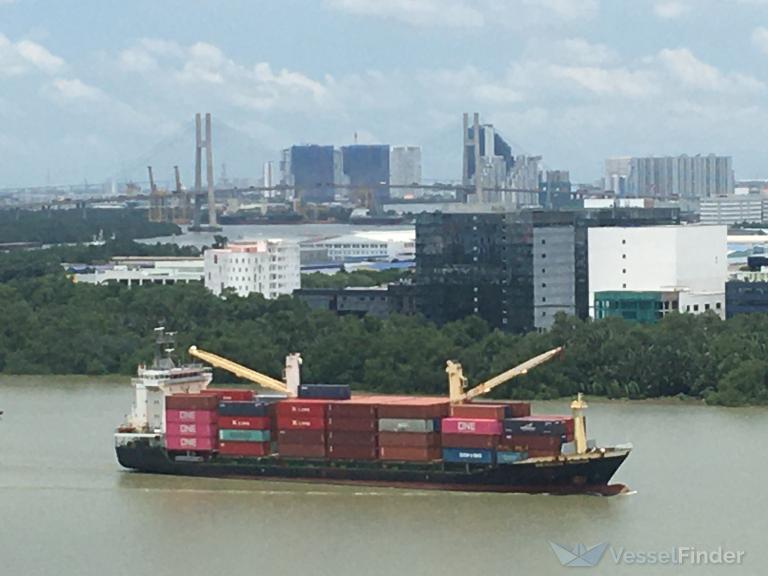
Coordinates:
561 476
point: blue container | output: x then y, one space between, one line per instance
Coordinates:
535 427
469 455
244 435
325 391
504 457
232 408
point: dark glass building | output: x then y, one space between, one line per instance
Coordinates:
367 166
745 297
312 167
516 270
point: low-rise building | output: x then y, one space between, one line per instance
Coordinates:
371 245
267 267
733 209
376 301
140 271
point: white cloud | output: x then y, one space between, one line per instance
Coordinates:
470 13
670 9
75 89
449 13
610 81
26 56
760 38
683 66
584 52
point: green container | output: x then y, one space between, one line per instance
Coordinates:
406 425
244 435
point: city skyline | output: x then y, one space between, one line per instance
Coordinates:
573 82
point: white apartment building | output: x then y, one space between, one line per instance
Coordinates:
268 267
691 260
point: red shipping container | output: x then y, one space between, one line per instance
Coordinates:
416 408
290 423
191 402
303 408
517 408
245 422
351 409
300 450
190 429
529 442
230 394
352 439
192 416
203 444
352 452
470 426
244 448
353 424
409 439
409 454
489 411
301 437
482 441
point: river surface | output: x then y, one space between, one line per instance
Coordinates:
67 509
297 232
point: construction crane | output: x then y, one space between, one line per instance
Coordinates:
292 363
457 382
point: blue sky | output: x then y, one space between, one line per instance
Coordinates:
95 89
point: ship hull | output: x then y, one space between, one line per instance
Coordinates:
560 476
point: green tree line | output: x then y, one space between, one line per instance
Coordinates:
77 225
48 325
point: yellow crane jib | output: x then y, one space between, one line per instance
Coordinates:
457 382
240 371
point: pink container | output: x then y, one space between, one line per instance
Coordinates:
191 429
196 443
471 426
191 416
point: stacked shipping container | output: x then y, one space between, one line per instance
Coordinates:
245 426
541 435
409 428
300 426
352 431
191 422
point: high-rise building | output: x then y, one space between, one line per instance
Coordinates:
671 176
404 170
268 267
312 170
497 175
516 270
367 168
555 189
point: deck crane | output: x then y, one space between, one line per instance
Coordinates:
457 384
289 387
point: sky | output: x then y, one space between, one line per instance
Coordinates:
97 89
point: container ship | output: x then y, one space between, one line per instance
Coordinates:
323 433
